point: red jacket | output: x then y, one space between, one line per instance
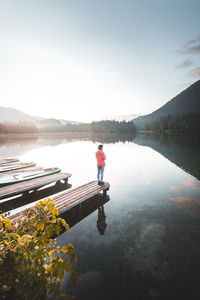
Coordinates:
100 156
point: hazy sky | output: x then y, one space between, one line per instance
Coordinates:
86 59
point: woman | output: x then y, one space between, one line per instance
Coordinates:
100 156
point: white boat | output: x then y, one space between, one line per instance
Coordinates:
7 160
23 176
15 166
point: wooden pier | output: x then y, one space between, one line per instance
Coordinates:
68 199
31 188
33 184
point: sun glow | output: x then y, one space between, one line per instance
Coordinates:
51 85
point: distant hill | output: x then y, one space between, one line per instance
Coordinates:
15 115
47 123
185 103
64 122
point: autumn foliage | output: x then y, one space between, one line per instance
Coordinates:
31 266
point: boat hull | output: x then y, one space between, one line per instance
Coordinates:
8 160
16 178
13 166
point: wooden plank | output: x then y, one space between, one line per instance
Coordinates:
19 188
80 212
68 199
33 196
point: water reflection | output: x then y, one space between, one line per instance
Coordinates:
16 145
83 210
101 222
112 138
150 246
189 204
181 149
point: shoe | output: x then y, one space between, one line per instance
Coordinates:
99 182
102 183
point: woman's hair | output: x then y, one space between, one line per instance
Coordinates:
100 146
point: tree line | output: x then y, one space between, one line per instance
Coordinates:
113 127
17 128
186 122
94 127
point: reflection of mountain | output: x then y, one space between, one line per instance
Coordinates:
15 145
11 145
181 149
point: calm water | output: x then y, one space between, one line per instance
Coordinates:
150 248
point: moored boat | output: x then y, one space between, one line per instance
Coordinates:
15 166
24 176
7 160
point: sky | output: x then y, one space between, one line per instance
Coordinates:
85 60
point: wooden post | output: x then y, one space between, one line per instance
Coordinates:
35 191
58 183
105 192
25 194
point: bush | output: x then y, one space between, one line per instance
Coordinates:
31 266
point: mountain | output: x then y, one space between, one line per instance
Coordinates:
185 103
15 115
54 123
47 123
64 122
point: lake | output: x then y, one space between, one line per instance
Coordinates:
143 240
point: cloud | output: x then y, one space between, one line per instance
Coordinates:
180 199
191 182
195 72
176 188
190 47
190 50
185 64
190 205
193 41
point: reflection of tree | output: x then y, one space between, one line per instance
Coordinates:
101 222
112 137
12 140
181 149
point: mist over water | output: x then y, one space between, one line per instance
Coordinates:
142 242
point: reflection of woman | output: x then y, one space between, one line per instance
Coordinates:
101 222
100 156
